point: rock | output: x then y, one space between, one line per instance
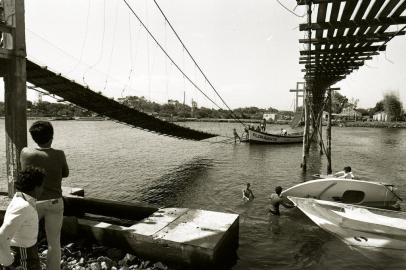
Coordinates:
115 253
160 266
95 266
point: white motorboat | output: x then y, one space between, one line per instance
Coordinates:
268 138
351 191
364 228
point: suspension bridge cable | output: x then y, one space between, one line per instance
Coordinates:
194 61
84 40
102 43
169 57
290 11
69 55
112 45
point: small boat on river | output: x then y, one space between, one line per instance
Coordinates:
255 136
364 228
351 191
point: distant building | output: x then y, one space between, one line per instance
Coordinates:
350 113
270 117
173 102
380 116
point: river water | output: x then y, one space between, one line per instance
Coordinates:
114 161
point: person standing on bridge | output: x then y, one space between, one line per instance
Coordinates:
50 204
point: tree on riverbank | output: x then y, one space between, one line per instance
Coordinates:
393 106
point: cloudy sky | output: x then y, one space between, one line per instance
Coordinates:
249 50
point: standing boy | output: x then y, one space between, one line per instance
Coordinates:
50 204
276 200
18 234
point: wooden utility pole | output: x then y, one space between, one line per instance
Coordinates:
328 154
306 93
297 91
15 93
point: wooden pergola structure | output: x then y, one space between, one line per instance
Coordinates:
342 35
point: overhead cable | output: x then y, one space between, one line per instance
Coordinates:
194 61
169 57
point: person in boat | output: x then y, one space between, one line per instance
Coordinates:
284 132
18 234
277 200
258 128
346 173
247 194
263 125
236 136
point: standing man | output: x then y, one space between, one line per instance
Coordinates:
50 204
19 232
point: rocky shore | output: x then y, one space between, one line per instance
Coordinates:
88 256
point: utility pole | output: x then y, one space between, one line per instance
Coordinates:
15 92
306 92
328 154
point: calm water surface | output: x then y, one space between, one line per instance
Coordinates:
114 161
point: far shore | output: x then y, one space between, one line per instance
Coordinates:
366 124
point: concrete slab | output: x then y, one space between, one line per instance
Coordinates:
200 228
158 221
177 235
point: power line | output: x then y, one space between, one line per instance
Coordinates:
194 61
169 57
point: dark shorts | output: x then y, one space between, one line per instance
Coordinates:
25 258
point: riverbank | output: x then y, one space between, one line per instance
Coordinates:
372 124
85 255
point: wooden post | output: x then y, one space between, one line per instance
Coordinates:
15 93
306 145
321 134
328 152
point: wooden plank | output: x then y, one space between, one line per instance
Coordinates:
346 16
371 15
345 51
353 23
333 19
360 13
377 37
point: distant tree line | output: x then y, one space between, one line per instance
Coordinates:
390 104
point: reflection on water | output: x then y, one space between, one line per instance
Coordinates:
169 189
116 162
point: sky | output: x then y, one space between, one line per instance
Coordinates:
249 50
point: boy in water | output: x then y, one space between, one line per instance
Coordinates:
236 136
345 174
276 200
247 194
18 234
50 204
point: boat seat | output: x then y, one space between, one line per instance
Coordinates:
353 196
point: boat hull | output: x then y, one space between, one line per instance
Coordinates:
346 190
365 229
267 138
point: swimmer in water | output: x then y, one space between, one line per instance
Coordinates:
247 194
